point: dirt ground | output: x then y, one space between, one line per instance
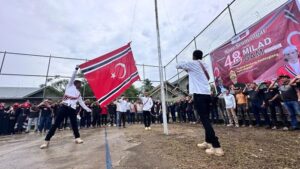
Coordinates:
244 147
135 148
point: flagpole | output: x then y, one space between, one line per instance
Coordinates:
162 91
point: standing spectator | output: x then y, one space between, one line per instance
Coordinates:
87 114
96 113
33 118
290 99
242 107
1 118
190 110
183 105
123 109
104 115
13 117
132 112
257 104
147 105
5 121
22 115
200 88
159 112
112 108
177 109
118 105
273 101
154 112
173 112
139 108
230 108
45 117
128 111
214 108
221 102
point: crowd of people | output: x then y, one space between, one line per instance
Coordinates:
236 105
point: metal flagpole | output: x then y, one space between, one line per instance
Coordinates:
162 91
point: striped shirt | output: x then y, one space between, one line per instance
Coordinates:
198 82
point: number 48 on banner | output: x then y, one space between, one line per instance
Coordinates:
233 60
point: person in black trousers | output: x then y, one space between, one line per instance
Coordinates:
173 112
112 110
68 109
200 88
147 106
96 114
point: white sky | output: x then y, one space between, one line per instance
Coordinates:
90 28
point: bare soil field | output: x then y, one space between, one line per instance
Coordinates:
253 148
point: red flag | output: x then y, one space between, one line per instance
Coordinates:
111 74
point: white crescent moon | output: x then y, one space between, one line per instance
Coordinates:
124 68
289 38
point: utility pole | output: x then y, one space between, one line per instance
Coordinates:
162 91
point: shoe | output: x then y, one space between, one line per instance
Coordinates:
215 151
149 128
285 128
146 128
229 125
237 126
204 145
274 128
78 141
45 145
219 152
250 126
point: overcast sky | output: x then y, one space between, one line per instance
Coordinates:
90 28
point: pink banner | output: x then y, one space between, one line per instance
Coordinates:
256 53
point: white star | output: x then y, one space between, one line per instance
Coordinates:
113 75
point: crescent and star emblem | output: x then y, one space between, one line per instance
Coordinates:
121 65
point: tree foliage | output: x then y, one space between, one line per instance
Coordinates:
147 85
131 92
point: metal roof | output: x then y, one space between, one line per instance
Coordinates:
16 92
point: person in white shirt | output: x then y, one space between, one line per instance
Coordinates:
123 109
128 110
68 109
139 109
200 88
147 105
118 112
230 105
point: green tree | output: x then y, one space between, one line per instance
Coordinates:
86 90
131 92
147 85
